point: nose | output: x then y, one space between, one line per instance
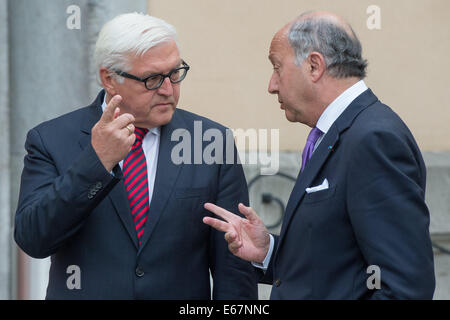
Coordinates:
273 84
166 88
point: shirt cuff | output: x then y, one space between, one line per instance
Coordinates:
266 260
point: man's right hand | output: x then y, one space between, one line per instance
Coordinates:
112 136
247 238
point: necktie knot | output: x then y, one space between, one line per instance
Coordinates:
140 134
314 135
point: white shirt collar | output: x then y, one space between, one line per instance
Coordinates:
335 109
156 131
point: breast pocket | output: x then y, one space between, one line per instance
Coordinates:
189 204
319 196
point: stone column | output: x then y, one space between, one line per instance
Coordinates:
5 221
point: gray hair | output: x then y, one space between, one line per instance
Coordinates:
342 51
126 34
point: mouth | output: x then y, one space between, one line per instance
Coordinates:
163 105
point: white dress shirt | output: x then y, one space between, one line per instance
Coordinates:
335 109
326 120
150 145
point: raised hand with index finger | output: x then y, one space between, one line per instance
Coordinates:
112 136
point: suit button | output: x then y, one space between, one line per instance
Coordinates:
139 272
277 283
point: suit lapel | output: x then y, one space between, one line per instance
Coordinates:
304 180
166 177
328 145
118 195
119 199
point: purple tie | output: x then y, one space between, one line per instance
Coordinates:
313 136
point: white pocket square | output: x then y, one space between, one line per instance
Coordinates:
323 186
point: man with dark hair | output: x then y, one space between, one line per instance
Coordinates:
356 224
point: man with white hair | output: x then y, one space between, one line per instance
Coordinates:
102 196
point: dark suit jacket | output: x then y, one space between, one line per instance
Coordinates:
373 213
72 209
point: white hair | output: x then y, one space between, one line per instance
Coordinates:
126 34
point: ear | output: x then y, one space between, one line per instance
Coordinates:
108 81
317 65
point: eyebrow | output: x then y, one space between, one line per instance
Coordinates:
148 73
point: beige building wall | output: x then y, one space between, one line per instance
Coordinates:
226 43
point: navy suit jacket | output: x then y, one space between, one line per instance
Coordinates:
72 209
373 213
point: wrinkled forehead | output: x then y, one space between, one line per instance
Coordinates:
159 59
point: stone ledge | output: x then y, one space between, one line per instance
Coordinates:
437 194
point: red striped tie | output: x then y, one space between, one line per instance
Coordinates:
136 182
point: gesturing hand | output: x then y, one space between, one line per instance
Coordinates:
112 136
247 238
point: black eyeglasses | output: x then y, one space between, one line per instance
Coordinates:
154 81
